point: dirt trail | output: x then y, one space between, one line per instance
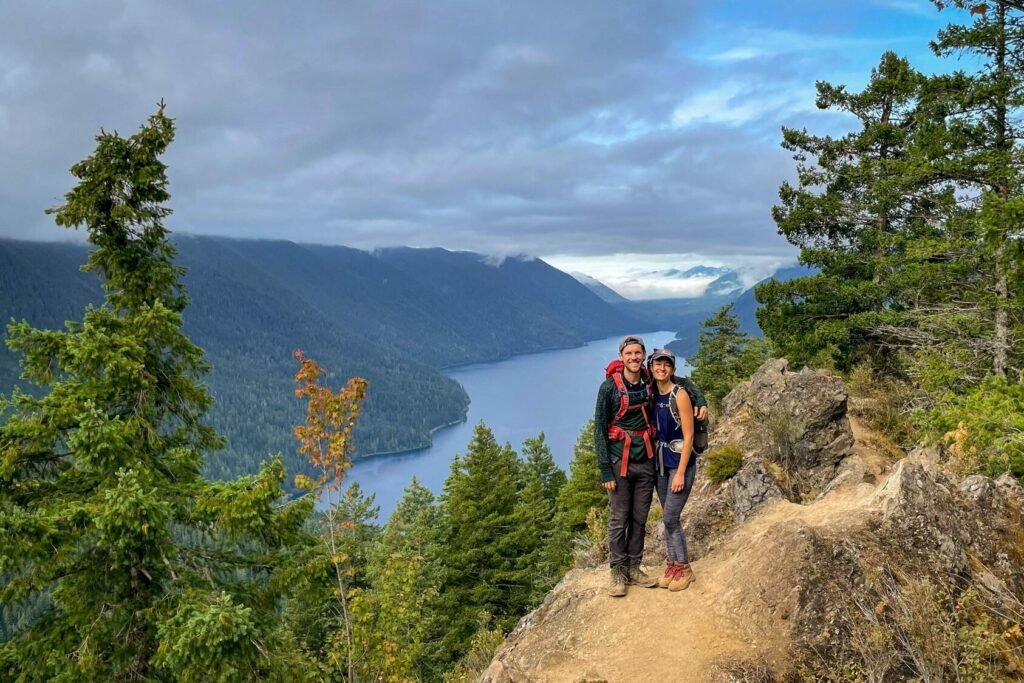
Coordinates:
652 634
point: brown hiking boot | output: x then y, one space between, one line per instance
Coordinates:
617 584
638 577
683 578
670 573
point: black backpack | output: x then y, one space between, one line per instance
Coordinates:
700 427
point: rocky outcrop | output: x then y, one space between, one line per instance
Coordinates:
788 580
797 419
796 439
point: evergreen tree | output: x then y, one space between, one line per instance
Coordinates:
151 572
726 355
532 528
977 150
541 463
581 493
406 571
860 201
479 571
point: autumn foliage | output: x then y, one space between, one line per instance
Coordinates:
326 437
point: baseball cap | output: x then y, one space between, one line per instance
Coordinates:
631 339
663 354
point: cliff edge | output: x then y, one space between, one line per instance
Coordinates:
827 554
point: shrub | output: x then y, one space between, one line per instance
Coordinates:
723 462
592 545
984 429
887 404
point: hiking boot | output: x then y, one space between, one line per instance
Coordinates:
670 573
617 585
683 578
638 577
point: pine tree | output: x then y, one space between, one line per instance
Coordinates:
479 574
150 572
532 528
977 150
581 494
406 575
860 202
726 355
541 463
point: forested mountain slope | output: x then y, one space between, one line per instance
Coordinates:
387 319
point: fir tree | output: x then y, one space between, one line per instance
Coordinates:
150 572
726 355
581 493
479 571
541 463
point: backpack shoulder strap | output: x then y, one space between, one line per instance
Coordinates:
673 407
620 385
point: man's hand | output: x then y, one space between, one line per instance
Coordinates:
700 412
609 485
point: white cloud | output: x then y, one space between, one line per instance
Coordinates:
735 103
642 276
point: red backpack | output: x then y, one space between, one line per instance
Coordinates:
617 433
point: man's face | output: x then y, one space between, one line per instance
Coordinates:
661 369
632 357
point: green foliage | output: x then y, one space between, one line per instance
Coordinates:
141 568
984 428
581 494
723 462
541 464
534 524
481 650
480 564
726 355
887 404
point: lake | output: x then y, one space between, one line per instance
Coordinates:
551 392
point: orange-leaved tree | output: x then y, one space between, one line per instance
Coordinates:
327 440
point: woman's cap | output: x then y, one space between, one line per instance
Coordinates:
663 354
631 339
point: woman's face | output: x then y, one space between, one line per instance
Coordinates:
661 369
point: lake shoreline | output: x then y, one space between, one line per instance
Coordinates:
465 417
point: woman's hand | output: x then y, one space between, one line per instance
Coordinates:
678 481
609 485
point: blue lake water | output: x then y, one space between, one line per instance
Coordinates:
551 392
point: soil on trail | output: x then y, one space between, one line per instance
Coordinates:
738 608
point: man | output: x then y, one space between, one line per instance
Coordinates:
624 448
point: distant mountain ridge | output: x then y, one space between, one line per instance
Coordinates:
600 288
744 307
394 317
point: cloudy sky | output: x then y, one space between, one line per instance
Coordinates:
602 136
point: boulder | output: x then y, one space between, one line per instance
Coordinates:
797 419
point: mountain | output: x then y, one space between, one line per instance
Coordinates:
727 284
393 318
744 306
601 289
700 271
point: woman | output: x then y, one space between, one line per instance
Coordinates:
677 463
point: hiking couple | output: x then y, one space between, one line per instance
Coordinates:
647 434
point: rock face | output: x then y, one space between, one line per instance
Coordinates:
795 418
753 485
794 433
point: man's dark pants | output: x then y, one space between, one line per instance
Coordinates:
629 502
